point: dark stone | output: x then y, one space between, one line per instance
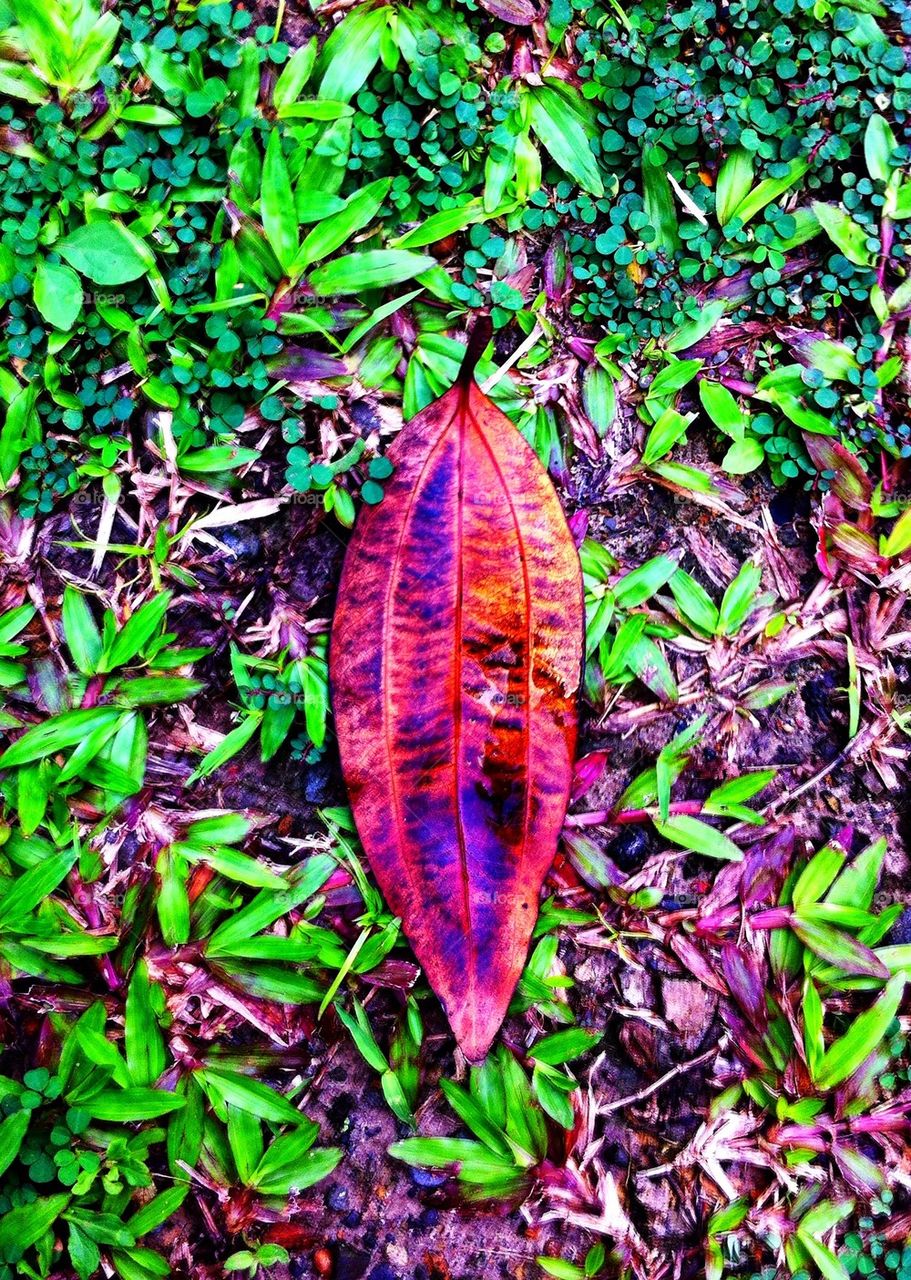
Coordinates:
365 415
428 1178
337 1198
782 508
383 1272
241 541
128 849
350 1264
630 848
339 1111
818 697
318 782
789 504
900 933
353 1219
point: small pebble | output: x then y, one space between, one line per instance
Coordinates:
350 1264
337 1198
630 848
397 1255
241 542
427 1178
900 933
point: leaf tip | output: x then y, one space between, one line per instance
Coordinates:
475 1028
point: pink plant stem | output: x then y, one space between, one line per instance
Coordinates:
886 236
83 898
892 1120
601 817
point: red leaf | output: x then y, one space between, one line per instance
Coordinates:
519 13
699 966
857 549
849 481
746 982
455 661
587 772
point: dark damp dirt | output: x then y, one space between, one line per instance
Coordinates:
382 1221
375 1218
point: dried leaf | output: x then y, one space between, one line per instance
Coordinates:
455 660
849 480
519 13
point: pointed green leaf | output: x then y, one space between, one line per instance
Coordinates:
277 204
846 1054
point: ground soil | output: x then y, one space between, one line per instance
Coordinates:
376 1218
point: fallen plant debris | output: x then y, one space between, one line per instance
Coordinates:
242 249
456 652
